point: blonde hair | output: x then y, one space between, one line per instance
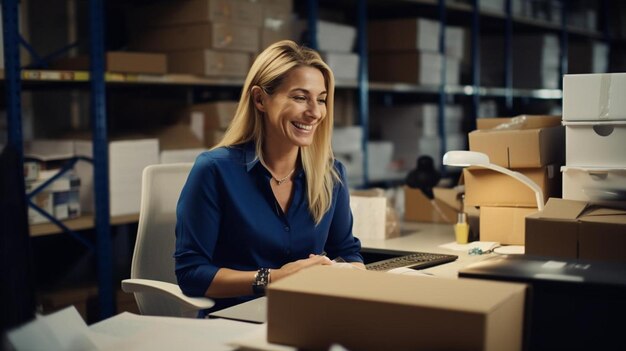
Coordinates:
268 72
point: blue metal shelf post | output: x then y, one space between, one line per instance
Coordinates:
101 161
475 63
564 43
508 58
442 87
13 78
312 25
363 83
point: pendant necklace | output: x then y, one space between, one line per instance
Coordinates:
282 180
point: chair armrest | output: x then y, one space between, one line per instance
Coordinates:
169 289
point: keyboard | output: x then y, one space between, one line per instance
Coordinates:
417 260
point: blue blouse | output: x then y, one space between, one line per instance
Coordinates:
227 216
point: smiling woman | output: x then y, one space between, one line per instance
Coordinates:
266 201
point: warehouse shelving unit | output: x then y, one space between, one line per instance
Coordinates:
16 79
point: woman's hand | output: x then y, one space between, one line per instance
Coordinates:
293 267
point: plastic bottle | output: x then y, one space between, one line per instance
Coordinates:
461 228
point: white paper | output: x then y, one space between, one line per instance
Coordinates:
257 340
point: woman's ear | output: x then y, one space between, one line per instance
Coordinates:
257 98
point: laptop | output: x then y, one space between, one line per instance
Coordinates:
254 311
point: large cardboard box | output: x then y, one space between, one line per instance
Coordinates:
408 34
175 13
505 225
442 209
365 310
218 35
411 67
578 229
211 63
521 148
122 62
593 97
484 187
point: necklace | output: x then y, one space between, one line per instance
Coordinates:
282 180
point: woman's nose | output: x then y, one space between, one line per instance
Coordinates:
315 110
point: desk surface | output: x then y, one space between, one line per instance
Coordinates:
426 237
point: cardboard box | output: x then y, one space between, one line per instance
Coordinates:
214 115
404 35
345 66
519 122
219 35
380 311
505 225
122 62
521 148
162 14
484 187
210 63
593 97
595 144
335 37
443 209
423 68
578 229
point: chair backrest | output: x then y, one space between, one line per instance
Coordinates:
154 248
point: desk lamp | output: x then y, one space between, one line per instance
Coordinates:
461 158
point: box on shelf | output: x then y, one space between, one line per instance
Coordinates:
353 161
455 42
335 37
119 61
209 116
442 209
595 144
345 66
212 63
578 229
505 225
540 67
277 25
589 56
347 139
219 35
594 97
408 34
594 184
176 137
521 148
379 156
176 13
376 311
127 159
484 187
412 67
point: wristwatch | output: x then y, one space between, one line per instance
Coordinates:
261 279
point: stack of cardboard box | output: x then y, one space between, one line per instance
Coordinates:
534 147
590 221
210 37
407 51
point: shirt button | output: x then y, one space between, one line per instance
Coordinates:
287 228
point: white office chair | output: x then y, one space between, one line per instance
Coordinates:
152 272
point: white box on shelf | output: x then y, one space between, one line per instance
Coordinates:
594 97
335 37
345 66
455 42
379 156
595 144
453 71
347 139
599 184
127 159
